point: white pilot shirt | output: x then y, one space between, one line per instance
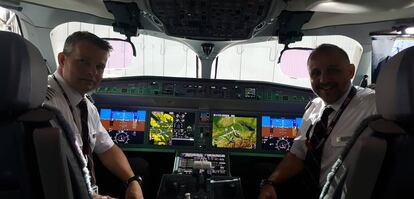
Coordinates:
361 106
100 139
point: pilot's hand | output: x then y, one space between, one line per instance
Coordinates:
134 191
97 196
267 192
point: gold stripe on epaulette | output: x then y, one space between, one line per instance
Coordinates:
90 98
308 105
50 93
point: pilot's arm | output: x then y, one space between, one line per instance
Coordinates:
116 162
289 167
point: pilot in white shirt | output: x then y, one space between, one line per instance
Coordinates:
342 131
100 140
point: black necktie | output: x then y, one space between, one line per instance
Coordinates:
320 132
316 142
86 148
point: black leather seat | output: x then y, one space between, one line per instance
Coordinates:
37 160
378 162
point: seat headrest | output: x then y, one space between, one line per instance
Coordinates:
395 88
23 74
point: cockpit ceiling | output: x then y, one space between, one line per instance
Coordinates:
223 20
210 19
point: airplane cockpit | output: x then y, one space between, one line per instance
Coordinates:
210 94
177 117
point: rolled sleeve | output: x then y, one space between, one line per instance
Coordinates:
299 148
103 140
299 144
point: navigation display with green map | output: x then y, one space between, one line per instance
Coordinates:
232 131
172 128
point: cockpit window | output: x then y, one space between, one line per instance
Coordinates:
386 46
259 61
154 56
161 57
8 21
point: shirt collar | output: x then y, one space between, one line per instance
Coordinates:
336 105
74 96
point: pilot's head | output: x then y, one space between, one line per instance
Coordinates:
330 72
83 60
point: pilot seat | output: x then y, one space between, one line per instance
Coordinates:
37 160
378 162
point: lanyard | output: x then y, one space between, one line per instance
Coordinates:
73 117
66 98
346 102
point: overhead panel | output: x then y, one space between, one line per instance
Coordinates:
211 19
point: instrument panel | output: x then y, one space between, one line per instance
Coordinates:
163 113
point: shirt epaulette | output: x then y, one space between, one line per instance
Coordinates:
51 93
90 98
308 105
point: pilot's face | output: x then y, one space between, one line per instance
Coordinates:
330 75
83 68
